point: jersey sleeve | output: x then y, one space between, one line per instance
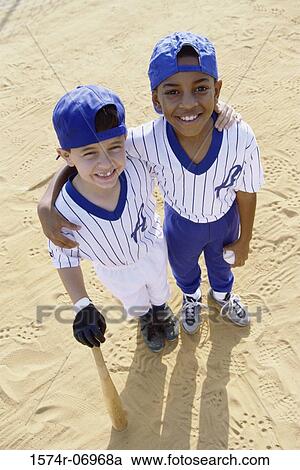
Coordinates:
137 148
64 257
252 176
136 145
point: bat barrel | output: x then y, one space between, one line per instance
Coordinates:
111 397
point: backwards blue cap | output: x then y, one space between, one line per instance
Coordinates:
163 62
74 116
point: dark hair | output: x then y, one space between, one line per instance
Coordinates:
106 118
187 51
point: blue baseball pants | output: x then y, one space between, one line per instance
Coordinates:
186 240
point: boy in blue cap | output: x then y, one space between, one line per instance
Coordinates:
110 196
155 142
209 179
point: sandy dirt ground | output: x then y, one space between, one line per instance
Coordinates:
223 388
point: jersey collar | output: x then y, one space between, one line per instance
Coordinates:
92 208
182 156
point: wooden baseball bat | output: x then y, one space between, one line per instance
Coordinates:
111 397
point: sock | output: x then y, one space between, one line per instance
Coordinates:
157 308
219 295
196 295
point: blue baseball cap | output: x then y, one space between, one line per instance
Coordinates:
163 62
74 116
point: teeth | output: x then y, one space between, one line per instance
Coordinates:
105 174
189 118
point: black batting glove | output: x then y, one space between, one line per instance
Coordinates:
89 326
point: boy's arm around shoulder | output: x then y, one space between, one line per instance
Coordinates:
51 221
227 116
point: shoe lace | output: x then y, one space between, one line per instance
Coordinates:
189 308
235 306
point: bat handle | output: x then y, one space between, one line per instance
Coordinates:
111 397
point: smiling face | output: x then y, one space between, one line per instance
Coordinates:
98 164
187 99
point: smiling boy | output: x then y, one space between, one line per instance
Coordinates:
208 178
175 146
110 196
175 98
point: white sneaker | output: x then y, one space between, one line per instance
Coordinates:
232 308
191 314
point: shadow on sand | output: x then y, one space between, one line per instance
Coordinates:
153 426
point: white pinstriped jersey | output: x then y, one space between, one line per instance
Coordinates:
201 192
111 239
